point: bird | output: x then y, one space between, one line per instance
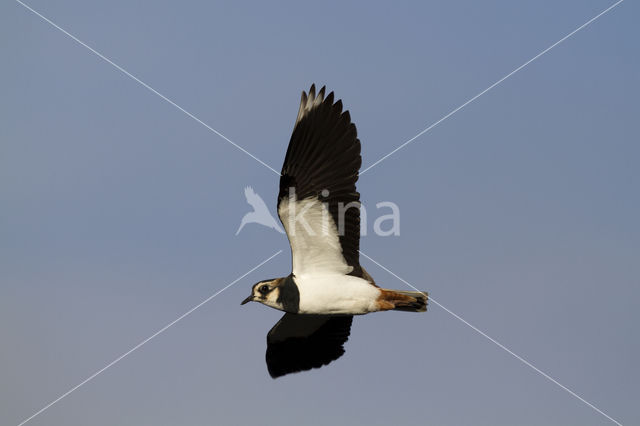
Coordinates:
260 213
319 208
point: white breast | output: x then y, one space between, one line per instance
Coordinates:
336 294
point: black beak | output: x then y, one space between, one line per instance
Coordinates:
247 300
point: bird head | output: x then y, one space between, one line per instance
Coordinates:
266 292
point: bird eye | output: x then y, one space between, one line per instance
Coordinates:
264 289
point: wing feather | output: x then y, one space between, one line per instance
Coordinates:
321 169
302 342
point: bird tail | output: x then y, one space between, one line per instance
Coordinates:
408 301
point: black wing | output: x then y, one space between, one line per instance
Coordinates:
302 342
322 163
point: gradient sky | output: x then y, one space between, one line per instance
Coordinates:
519 213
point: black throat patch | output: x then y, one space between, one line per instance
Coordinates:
289 295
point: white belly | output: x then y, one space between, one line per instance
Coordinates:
336 294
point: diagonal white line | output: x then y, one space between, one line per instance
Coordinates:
145 85
492 86
500 345
136 347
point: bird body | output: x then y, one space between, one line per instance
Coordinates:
333 294
336 294
319 208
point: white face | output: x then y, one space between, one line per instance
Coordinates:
267 293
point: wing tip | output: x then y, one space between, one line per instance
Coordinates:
312 99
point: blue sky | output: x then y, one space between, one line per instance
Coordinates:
519 213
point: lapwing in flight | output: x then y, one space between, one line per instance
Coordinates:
320 209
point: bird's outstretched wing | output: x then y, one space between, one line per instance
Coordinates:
318 203
302 342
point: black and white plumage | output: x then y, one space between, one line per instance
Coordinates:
319 207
